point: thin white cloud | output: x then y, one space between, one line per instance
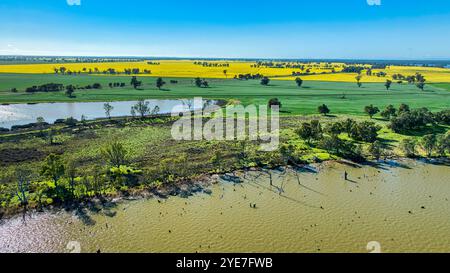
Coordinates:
374 2
74 2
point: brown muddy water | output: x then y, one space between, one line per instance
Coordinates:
405 208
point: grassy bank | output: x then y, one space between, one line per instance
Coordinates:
341 98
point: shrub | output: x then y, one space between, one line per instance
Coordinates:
115 154
275 102
429 143
323 109
443 117
408 146
265 81
376 149
310 131
71 122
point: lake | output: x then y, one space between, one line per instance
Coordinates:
403 207
20 114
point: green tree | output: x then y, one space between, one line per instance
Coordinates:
365 131
115 154
299 81
389 112
198 82
371 110
358 80
388 84
135 82
159 83
70 89
53 168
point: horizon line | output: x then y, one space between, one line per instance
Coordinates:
444 59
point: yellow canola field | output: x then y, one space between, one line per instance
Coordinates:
168 68
187 68
431 74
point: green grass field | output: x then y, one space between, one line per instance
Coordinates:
341 98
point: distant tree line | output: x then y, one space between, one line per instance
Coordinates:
248 76
48 87
208 64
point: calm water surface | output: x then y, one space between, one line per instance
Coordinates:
20 114
405 208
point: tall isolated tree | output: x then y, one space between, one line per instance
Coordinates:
108 108
159 83
358 80
388 84
299 81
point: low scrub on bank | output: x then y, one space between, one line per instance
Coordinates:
117 157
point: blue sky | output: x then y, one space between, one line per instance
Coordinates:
396 29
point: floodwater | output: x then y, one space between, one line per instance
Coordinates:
403 207
20 114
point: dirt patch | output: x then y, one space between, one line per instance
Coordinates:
12 156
